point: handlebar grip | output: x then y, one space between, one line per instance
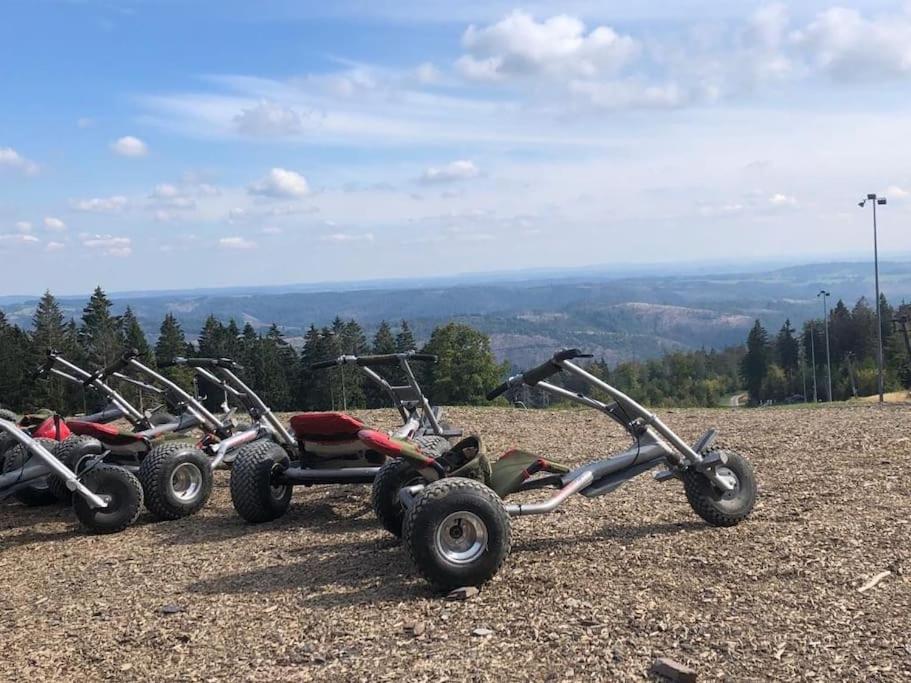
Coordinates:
116 366
323 364
499 391
424 357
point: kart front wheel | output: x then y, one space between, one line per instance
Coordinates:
256 496
717 507
122 492
176 480
457 532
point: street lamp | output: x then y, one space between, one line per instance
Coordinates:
825 321
881 201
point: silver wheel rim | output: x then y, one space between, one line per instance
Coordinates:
461 538
730 476
186 482
277 491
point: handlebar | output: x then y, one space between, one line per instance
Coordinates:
539 373
375 360
45 367
226 363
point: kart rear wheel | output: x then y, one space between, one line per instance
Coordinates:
37 492
457 532
176 480
389 481
720 508
254 493
72 453
120 489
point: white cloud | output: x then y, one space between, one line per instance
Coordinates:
236 243
896 192
24 226
269 118
848 46
780 200
18 239
630 94
271 230
85 122
129 146
281 183
560 46
54 246
108 244
54 224
427 73
348 237
462 169
10 158
113 204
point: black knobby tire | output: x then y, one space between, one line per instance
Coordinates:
385 493
176 480
161 417
37 492
432 445
8 415
71 452
255 466
123 492
441 509
714 506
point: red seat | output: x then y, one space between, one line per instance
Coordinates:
325 426
106 434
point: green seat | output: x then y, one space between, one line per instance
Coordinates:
516 466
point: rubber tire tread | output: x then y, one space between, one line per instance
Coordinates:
98 479
701 494
251 475
154 475
422 513
384 494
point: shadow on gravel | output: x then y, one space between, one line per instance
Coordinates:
612 532
322 518
332 574
30 536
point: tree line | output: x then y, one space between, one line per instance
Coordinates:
792 364
269 363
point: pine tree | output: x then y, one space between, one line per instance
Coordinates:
404 340
755 364
132 336
172 343
788 351
383 343
99 334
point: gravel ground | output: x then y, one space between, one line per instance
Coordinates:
594 592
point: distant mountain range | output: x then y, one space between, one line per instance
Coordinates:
530 314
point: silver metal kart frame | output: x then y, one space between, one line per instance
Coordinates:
419 418
47 464
654 443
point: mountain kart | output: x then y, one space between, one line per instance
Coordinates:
456 523
106 499
176 476
330 447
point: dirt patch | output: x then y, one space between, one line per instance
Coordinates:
595 592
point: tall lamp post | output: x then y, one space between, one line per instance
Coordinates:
874 200
825 321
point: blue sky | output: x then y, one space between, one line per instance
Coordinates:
160 144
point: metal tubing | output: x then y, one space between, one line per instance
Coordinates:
384 385
131 413
218 381
425 404
56 467
273 421
195 407
348 475
551 504
232 442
